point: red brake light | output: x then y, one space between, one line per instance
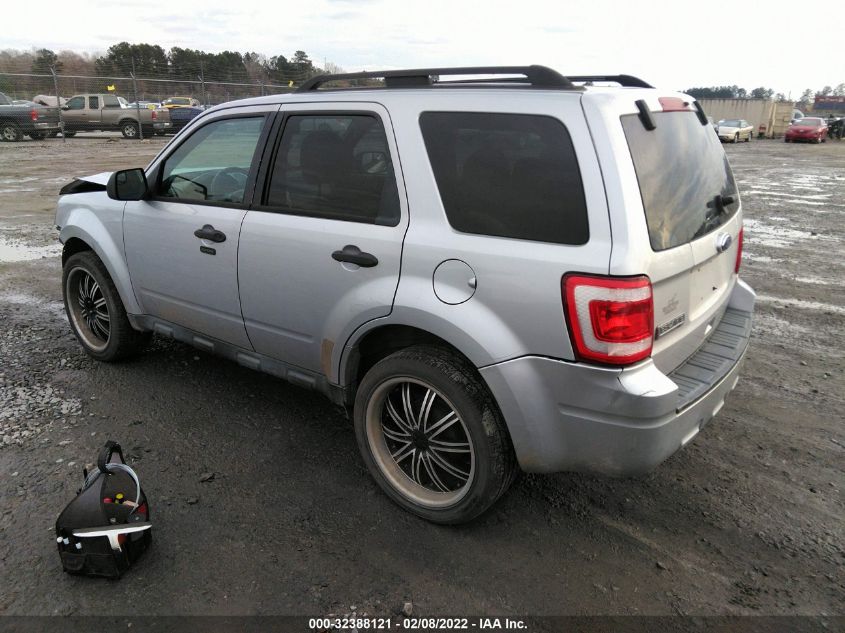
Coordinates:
33 114
738 251
154 115
610 319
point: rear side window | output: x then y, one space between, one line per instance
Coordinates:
507 175
335 166
686 183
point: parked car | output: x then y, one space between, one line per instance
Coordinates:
548 280
810 129
735 130
30 119
93 112
181 102
180 117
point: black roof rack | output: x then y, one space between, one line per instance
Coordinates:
538 76
626 81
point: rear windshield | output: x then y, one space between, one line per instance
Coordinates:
686 183
508 175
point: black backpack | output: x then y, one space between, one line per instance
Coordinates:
107 526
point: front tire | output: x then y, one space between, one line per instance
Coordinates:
10 132
95 311
431 435
736 138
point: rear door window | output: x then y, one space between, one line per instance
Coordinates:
507 175
335 166
686 183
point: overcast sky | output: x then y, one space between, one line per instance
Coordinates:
672 44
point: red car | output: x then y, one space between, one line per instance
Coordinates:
807 129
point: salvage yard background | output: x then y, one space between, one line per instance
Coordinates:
748 519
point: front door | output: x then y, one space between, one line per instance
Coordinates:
75 114
182 244
321 248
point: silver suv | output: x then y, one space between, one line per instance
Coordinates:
497 268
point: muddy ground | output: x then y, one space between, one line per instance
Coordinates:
748 519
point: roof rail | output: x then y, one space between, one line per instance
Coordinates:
539 76
626 81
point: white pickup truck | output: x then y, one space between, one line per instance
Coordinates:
98 112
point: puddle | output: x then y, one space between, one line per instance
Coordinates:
17 252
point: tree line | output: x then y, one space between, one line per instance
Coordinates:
154 62
735 92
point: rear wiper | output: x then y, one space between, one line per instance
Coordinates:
720 202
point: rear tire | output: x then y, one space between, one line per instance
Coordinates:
95 311
129 129
10 132
447 455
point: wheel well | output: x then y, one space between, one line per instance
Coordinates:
381 343
73 246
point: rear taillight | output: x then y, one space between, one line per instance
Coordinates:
33 114
154 115
738 251
610 319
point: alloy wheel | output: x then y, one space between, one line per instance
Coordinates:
420 442
88 308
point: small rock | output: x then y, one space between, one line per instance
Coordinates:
193 500
206 477
408 608
804 363
660 565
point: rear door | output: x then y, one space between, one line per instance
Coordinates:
94 115
691 211
320 250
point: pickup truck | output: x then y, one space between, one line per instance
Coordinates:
35 121
106 112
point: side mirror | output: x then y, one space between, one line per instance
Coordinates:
65 107
127 184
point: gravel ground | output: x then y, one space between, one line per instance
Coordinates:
748 519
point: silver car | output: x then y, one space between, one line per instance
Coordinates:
497 269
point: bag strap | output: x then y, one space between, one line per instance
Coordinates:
111 447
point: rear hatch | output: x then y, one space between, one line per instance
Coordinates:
689 206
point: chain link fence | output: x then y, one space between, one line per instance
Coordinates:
26 86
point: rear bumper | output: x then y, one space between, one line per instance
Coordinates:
576 417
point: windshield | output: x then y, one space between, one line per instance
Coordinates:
729 123
686 182
809 122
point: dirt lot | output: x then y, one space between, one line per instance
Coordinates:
746 520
